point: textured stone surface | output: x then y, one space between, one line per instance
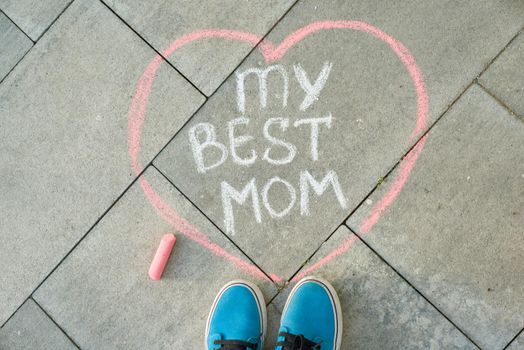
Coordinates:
379 309
118 306
370 97
505 77
455 231
30 328
63 145
209 62
33 16
14 45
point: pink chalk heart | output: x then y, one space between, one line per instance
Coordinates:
271 53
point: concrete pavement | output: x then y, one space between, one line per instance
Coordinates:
381 147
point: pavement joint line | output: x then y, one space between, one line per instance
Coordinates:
411 285
76 244
55 323
153 48
33 41
16 64
232 71
521 30
214 224
270 300
269 31
16 25
314 252
179 72
54 21
514 338
280 289
499 100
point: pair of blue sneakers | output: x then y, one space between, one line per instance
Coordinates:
311 319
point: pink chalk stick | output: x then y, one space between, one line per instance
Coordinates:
161 256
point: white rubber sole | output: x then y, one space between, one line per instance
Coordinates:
334 299
260 301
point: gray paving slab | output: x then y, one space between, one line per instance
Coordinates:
14 45
517 344
372 103
30 328
63 145
505 77
103 298
208 62
455 231
33 16
380 310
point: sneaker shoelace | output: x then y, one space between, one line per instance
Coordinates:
296 342
235 345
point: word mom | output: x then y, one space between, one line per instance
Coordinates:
203 139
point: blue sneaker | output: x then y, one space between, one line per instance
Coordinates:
312 317
237 320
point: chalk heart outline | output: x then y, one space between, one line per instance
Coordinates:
271 53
